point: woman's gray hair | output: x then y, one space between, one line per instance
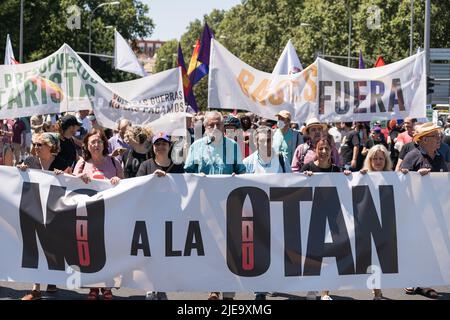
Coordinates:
261 129
212 114
49 138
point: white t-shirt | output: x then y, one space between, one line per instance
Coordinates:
253 164
337 136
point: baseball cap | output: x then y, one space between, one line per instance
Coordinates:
376 129
229 120
284 114
68 121
159 136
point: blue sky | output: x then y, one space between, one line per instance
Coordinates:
172 17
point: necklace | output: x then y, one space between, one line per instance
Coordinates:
262 163
45 167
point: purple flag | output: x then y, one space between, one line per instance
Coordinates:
205 48
361 64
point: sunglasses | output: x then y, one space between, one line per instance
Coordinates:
37 145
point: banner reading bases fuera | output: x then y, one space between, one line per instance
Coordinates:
277 232
64 82
323 90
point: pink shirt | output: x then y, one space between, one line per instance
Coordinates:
404 138
310 155
106 170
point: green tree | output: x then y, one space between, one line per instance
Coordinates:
256 31
166 57
46 28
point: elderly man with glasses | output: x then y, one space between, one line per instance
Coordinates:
426 158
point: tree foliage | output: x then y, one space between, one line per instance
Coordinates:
46 29
256 31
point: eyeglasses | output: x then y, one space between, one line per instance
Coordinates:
435 136
211 126
37 145
96 142
315 129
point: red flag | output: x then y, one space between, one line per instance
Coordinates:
380 62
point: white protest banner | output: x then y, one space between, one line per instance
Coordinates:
185 232
396 90
142 101
235 84
323 90
64 82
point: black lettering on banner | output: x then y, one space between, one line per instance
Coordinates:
396 90
327 206
376 99
169 242
193 240
367 226
338 108
322 96
291 198
248 238
358 96
140 233
65 236
197 244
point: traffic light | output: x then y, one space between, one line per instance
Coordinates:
430 85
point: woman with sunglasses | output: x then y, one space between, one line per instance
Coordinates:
45 157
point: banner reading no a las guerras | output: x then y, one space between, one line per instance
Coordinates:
273 232
324 90
63 82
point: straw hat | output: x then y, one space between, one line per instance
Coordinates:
313 122
425 129
284 114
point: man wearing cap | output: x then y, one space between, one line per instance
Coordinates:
306 152
444 150
68 127
286 140
376 137
426 158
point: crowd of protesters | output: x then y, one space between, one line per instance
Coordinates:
218 143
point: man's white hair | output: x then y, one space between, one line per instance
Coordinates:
210 115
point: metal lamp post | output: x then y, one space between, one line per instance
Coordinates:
320 31
90 22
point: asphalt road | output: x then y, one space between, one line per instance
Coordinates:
14 291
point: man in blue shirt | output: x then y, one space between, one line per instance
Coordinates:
215 154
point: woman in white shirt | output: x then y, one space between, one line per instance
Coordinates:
265 159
